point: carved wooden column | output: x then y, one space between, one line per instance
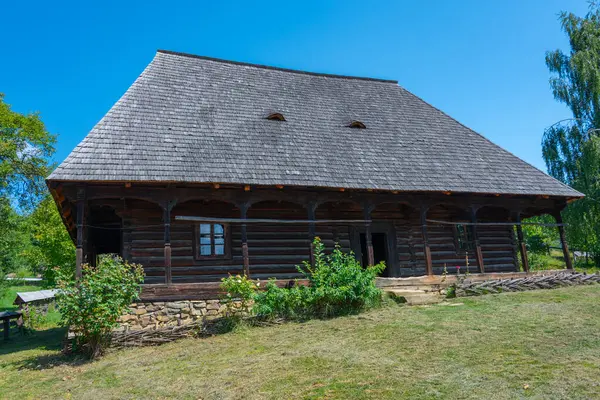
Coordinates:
311 209
426 248
367 209
126 216
563 240
167 250
245 256
80 226
478 253
522 245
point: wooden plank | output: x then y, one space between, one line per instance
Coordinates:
427 249
563 240
522 246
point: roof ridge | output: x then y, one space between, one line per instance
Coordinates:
296 71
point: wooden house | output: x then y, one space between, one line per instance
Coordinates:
206 167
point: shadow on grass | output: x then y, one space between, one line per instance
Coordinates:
48 339
42 340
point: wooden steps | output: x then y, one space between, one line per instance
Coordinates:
414 297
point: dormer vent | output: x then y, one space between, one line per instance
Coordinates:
276 117
357 124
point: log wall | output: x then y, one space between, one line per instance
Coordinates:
276 249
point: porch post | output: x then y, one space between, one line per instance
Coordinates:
563 240
426 249
244 214
167 249
478 253
522 245
311 209
367 208
126 224
80 222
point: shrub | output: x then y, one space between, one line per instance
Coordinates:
92 306
338 285
239 293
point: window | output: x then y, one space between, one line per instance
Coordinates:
212 241
463 238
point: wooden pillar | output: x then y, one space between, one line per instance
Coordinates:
522 245
335 234
126 234
478 253
80 221
563 240
167 249
367 209
312 231
245 256
426 248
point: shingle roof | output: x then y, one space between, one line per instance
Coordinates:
197 119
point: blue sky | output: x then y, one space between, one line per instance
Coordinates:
482 62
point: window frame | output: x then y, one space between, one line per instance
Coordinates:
226 242
466 238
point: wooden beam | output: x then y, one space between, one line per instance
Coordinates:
563 240
246 257
478 252
427 249
167 248
311 208
522 245
367 209
267 220
80 221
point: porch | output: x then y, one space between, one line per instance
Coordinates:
265 232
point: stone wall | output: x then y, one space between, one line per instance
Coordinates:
154 315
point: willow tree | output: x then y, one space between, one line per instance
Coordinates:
571 148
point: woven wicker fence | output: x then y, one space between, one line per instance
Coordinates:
562 279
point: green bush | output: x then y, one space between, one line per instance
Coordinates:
92 306
239 293
338 285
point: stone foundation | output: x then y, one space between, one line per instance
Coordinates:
154 315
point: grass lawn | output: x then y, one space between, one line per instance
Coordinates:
542 344
6 301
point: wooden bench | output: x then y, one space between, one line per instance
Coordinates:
5 317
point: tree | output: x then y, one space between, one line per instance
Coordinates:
540 238
13 239
571 149
50 243
25 148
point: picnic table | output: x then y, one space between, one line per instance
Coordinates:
5 317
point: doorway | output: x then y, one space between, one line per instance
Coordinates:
380 250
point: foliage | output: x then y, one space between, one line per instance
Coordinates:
92 306
25 147
36 317
338 285
13 238
50 243
4 285
572 150
539 238
239 293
